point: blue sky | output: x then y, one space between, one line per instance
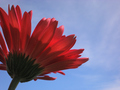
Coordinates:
96 23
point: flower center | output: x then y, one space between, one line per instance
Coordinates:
23 67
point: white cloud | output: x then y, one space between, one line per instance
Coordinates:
113 85
103 51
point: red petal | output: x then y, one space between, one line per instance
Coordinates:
19 13
45 78
45 39
57 36
60 72
13 17
59 32
30 13
1 52
2 59
15 38
36 34
2 67
43 23
14 27
52 52
3 45
25 30
74 53
71 54
6 28
52 20
66 64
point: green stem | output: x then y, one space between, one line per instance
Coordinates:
14 83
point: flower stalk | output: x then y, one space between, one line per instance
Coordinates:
15 81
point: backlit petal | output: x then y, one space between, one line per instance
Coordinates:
67 64
2 67
19 14
6 28
57 36
14 28
45 39
45 78
36 34
61 46
60 72
2 59
25 30
30 13
3 45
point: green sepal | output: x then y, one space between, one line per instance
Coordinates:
23 67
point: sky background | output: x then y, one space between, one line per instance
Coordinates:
96 23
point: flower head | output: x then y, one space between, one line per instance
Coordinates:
33 56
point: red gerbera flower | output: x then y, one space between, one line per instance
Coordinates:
27 56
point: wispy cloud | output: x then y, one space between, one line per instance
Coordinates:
115 85
103 47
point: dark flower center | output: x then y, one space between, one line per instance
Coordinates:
23 67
